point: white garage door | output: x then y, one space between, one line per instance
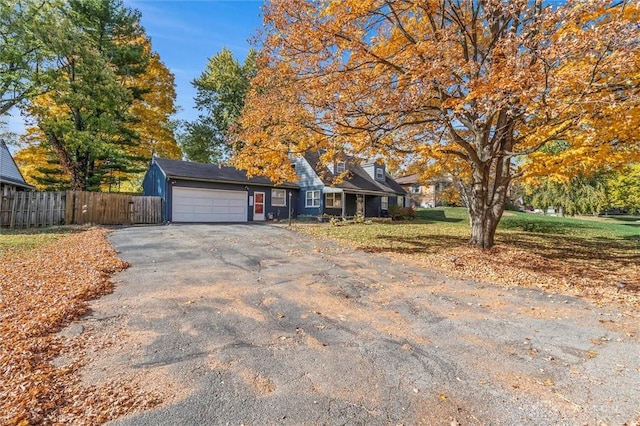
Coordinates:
208 205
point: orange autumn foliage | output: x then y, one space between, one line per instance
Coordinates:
471 88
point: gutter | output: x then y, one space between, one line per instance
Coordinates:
246 182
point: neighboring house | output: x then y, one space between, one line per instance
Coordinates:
196 192
423 194
11 180
365 190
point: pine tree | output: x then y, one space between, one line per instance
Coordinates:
221 92
85 116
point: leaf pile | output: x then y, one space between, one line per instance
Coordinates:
41 291
511 266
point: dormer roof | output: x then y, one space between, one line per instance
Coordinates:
356 179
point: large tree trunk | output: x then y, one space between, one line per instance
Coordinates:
68 164
485 211
483 228
488 197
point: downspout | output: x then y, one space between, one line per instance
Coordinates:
290 206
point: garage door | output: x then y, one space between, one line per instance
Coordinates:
208 205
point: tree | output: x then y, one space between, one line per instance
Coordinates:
473 86
41 168
624 189
579 195
25 26
221 92
84 119
153 109
151 121
198 141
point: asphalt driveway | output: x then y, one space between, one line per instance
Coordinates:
256 324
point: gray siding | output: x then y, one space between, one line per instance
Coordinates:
370 168
8 169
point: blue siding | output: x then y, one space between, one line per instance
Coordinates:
308 181
310 211
307 177
281 212
155 184
278 212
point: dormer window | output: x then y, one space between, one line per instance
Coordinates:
379 173
341 166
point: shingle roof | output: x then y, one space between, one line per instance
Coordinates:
211 173
356 180
9 171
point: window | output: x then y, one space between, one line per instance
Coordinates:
333 201
340 167
379 173
384 203
312 199
279 197
415 188
400 201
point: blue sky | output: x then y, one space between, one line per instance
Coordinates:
187 32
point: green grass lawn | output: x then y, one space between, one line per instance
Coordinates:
583 240
24 240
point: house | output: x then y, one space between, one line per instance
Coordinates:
366 189
196 192
11 180
429 194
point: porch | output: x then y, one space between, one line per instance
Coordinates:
349 204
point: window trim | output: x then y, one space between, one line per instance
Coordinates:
379 173
335 198
384 203
315 197
341 165
400 201
415 188
284 197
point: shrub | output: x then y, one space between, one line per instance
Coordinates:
402 213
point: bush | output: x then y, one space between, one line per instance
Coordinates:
402 213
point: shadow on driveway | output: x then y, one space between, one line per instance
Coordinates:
242 324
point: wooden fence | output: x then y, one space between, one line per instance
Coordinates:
40 209
32 209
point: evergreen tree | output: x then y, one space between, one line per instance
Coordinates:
84 118
221 92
